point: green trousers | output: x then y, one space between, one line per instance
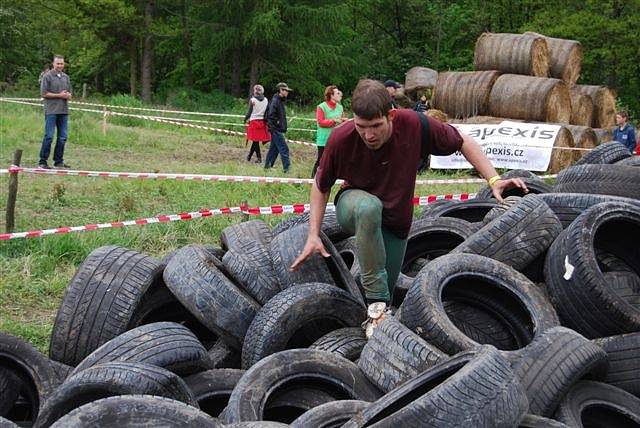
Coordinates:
379 252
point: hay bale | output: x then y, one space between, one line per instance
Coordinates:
534 99
604 104
512 53
584 138
480 120
419 79
464 93
581 108
565 58
603 134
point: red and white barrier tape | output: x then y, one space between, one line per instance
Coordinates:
161 120
273 209
193 113
212 177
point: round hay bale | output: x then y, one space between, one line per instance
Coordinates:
581 109
561 159
482 120
583 138
603 134
419 79
604 104
535 99
464 93
512 53
565 58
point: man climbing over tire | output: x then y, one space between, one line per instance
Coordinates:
377 154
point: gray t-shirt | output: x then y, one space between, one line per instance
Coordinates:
55 82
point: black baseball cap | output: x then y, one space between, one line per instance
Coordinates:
392 83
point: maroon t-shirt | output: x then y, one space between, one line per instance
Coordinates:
389 172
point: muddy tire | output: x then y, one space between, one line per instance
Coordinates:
108 380
346 342
472 210
598 404
163 344
615 180
553 363
294 368
395 354
606 153
535 186
286 247
30 371
252 270
429 210
136 411
474 280
333 414
100 301
624 364
203 288
329 227
240 235
568 206
212 388
578 288
297 317
479 388
517 237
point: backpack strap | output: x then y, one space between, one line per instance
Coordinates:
425 148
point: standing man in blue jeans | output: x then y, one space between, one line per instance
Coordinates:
277 122
55 88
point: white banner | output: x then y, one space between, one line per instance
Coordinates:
511 145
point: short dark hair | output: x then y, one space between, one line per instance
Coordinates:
57 57
370 100
623 114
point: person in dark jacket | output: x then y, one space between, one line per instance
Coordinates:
624 132
257 130
392 87
422 105
277 123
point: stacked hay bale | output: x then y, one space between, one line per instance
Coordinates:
464 94
604 104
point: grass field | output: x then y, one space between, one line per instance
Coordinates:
34 272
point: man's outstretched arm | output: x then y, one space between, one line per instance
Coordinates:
476 157
314 243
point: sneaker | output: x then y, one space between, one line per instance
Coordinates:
376 312
61 166
44 166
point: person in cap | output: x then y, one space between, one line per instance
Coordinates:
257 131
277 123
377 155
392 86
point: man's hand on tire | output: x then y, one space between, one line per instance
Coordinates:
505 184
313 245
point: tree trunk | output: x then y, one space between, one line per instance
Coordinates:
222 65
133 59
236 90
186 43
255 64
147 51
398 20
99 82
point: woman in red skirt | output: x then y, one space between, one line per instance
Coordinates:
257 131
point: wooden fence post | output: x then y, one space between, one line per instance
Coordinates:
104 121
84 91
13 193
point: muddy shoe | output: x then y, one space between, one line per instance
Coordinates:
376 312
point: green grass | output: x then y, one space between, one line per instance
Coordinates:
35 272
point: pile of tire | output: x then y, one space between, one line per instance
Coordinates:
517 314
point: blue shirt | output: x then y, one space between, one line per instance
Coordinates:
626 136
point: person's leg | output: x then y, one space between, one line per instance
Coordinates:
360 213
49 128
258 154
252 150
283 149
315 166
58 153
395 249
272 154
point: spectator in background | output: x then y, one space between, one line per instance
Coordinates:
422 105
329 114
277 122
392 86
257 131
624 132
55 88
